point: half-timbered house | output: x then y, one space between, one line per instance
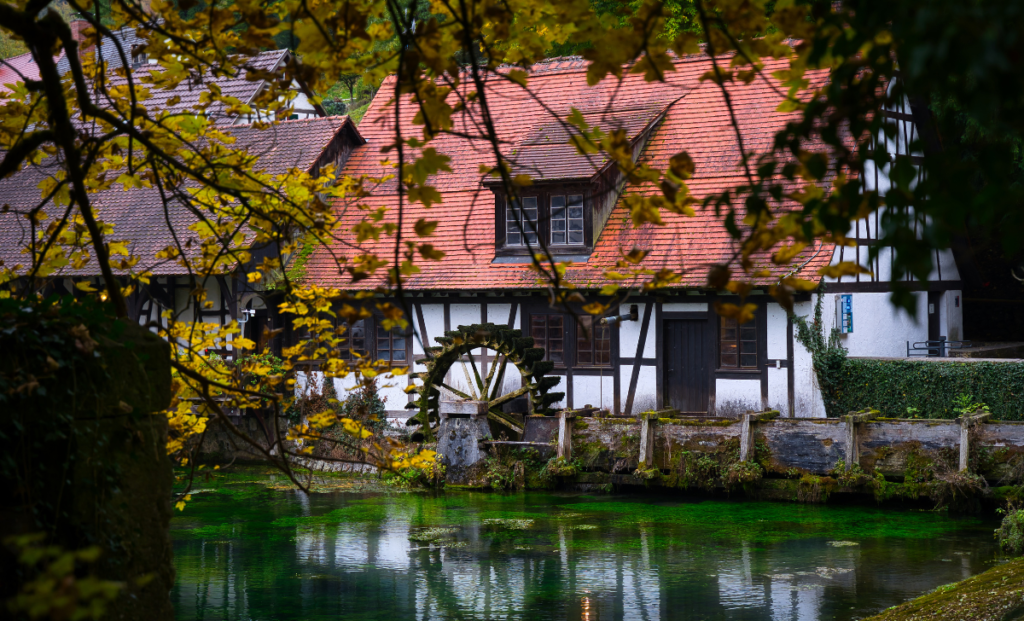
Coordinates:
677 352
149 223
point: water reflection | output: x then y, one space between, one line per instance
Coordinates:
290 557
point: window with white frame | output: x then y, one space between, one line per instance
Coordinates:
567 219
521 222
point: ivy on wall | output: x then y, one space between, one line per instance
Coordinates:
903 388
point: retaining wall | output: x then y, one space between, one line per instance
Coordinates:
807 445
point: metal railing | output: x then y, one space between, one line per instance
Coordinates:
937 349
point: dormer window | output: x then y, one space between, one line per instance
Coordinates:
557 217
571 194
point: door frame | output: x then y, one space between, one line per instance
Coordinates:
710 348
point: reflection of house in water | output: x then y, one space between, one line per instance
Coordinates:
355 560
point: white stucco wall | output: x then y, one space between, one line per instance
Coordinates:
807 397
952 306
595 390
646 396
498 313
879 329
685 307
735 396
464 315
776 337
629 334
778 390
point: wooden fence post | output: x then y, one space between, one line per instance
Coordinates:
647 439
745 437
565 418
966 422
747 431
852 441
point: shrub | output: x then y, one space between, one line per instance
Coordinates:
1010 533
743 474
365 406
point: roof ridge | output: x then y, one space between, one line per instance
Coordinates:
342 117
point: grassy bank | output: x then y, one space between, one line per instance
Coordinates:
994 595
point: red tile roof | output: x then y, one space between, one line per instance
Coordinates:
138 215
697 122
17 69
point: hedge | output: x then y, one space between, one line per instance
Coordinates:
891 386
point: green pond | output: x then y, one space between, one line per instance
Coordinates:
246 547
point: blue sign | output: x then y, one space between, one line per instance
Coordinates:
846 313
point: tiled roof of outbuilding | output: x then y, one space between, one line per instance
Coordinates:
17 69
138 215
696 121
241 86
107 51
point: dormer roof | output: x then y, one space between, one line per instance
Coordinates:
546 154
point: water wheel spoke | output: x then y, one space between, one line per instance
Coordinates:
504 419
456 392
476 373
510 396
485 391
469 382
500 379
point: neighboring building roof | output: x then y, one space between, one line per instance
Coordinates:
107 51
696 120
138 215
17 69
187 92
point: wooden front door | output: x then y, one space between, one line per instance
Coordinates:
686 365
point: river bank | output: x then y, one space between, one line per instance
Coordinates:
995 595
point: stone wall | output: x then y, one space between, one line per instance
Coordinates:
813 446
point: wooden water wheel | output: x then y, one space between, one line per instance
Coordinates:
511 349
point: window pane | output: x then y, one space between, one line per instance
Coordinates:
519 219
584 342
546 331
575 237
593 343
727 344
353 340
738 345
